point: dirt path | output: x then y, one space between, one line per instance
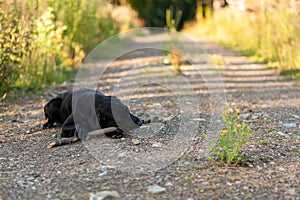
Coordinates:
31 171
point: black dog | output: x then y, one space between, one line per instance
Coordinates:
91 110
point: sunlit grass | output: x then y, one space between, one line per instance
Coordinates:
271 37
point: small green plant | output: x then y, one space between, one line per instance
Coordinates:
295 149
236 134
172 22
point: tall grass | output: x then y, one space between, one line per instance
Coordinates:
40 41
272 35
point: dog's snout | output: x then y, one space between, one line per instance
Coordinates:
140 122
136 120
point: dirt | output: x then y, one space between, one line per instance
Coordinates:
271 103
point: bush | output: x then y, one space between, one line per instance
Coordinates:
41 40
44 56
14 43
32 50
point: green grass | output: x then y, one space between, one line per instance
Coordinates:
295 149
16 92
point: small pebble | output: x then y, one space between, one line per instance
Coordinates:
292 192
199 119
169 184
21 182
290 125
122 154
135 141
230 110
103 173
245 116
157 144
296 116
103 168
104 195
30 179
156 189
281 169
166 61
282 133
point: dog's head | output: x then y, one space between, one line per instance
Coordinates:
111 112
52 109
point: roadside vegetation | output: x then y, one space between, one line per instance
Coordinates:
42 42
268 33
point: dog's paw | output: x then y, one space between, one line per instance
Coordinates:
46 125
68 133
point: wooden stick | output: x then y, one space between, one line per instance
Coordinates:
63 141
96 133
92 134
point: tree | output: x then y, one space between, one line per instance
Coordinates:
154 11
206 7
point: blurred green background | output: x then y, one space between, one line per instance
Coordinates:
43 42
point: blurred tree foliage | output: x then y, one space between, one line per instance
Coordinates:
154 11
